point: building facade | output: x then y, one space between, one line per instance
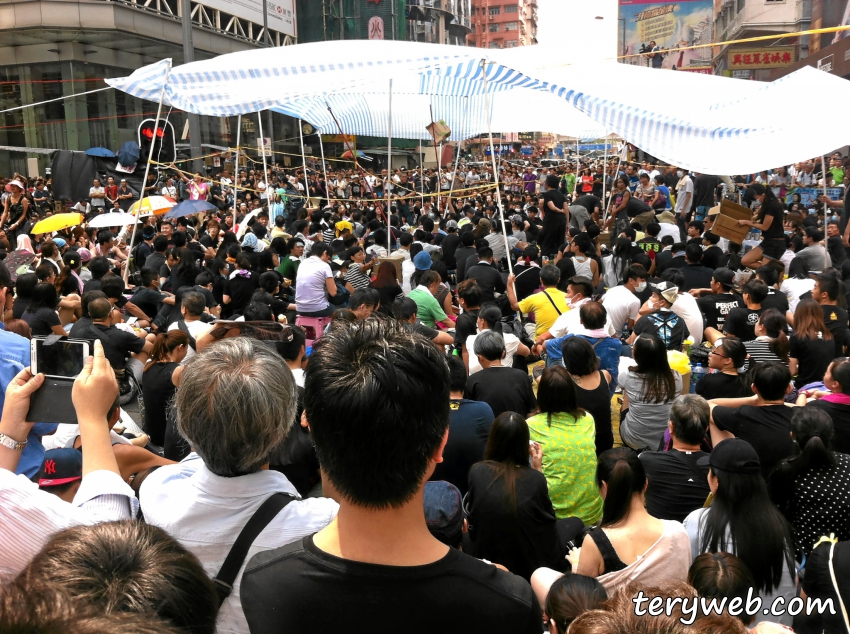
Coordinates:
740 19
501 24
57 48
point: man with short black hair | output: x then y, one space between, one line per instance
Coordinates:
486 275
191 309
547 305
716 306
662 321
763 420
622 302
826 291
364 302
814 253
677 483
676 259
696 275
377 403
465 251
769 274
469 428
742 320
405 311
504 389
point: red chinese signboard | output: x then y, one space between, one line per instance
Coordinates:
769 57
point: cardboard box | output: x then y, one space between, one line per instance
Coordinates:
726 223
396 261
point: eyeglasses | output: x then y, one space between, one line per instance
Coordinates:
717 354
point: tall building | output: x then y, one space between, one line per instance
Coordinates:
55 48
502 24
439 21
740 19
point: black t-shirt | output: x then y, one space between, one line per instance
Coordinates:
148 301
677 485
776 300
767 428
712 257
469 427
527 281
422 330
488 278
117 344
742 322
158 390
589 202
462 254
449 246
813 358
720 385
466 326
41 321
817 584
240 290
92 285
835 318
20 305
840 415
775 230
716 308
503 389
292 588
696 276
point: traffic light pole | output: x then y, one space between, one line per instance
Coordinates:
188 57
147 170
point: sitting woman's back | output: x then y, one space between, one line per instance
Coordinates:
511 519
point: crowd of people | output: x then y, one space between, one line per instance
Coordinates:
449 399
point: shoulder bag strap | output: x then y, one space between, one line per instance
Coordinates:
609 555
835 585
269 509
551 301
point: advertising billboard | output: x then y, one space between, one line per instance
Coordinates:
827 14
281 12
670 25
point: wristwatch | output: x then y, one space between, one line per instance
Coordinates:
9 443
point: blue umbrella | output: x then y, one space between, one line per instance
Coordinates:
189 207
102 152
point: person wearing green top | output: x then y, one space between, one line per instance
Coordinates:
289 265
569 179
427 307
567 435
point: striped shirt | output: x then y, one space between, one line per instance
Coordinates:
760 352
357 278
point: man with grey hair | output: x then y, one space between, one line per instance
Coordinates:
192 306
504 389
236 403
678 482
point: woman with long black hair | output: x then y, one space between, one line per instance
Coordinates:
812 344
771 342
511 518
770 224
743 521
617 263
813 489
649 389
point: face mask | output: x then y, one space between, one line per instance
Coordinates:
680 174
640 288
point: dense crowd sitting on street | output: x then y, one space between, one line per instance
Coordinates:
440 399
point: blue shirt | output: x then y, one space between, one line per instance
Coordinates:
14 357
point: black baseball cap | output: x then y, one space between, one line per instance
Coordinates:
733 455
725 277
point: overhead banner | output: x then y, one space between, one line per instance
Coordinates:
827 14
670 25
281 12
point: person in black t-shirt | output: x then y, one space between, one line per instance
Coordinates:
763 420
715 308
726 358
469 298
148 298
835 401
378 446
741 322
826 291
677 484
696 275
770 276
552 204
504 389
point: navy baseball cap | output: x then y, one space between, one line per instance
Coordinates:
60 466
444 512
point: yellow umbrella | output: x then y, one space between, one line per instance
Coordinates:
151 205
57 222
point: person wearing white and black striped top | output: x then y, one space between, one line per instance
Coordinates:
357 274
771 342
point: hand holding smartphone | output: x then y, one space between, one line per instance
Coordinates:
60 363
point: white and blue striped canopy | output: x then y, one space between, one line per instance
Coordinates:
704 123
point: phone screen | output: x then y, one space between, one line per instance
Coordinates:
63 358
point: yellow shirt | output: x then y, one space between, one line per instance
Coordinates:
544 312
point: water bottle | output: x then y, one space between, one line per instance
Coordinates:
697 372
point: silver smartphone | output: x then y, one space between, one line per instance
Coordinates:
63 359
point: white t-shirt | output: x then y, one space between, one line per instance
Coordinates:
197 329
97 202
686 307
511 344
794 288
299 377
668 229
685 187
311 286
621 305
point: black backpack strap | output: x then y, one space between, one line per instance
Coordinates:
610 557
268 510
182 327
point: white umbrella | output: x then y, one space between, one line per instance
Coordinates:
113 219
